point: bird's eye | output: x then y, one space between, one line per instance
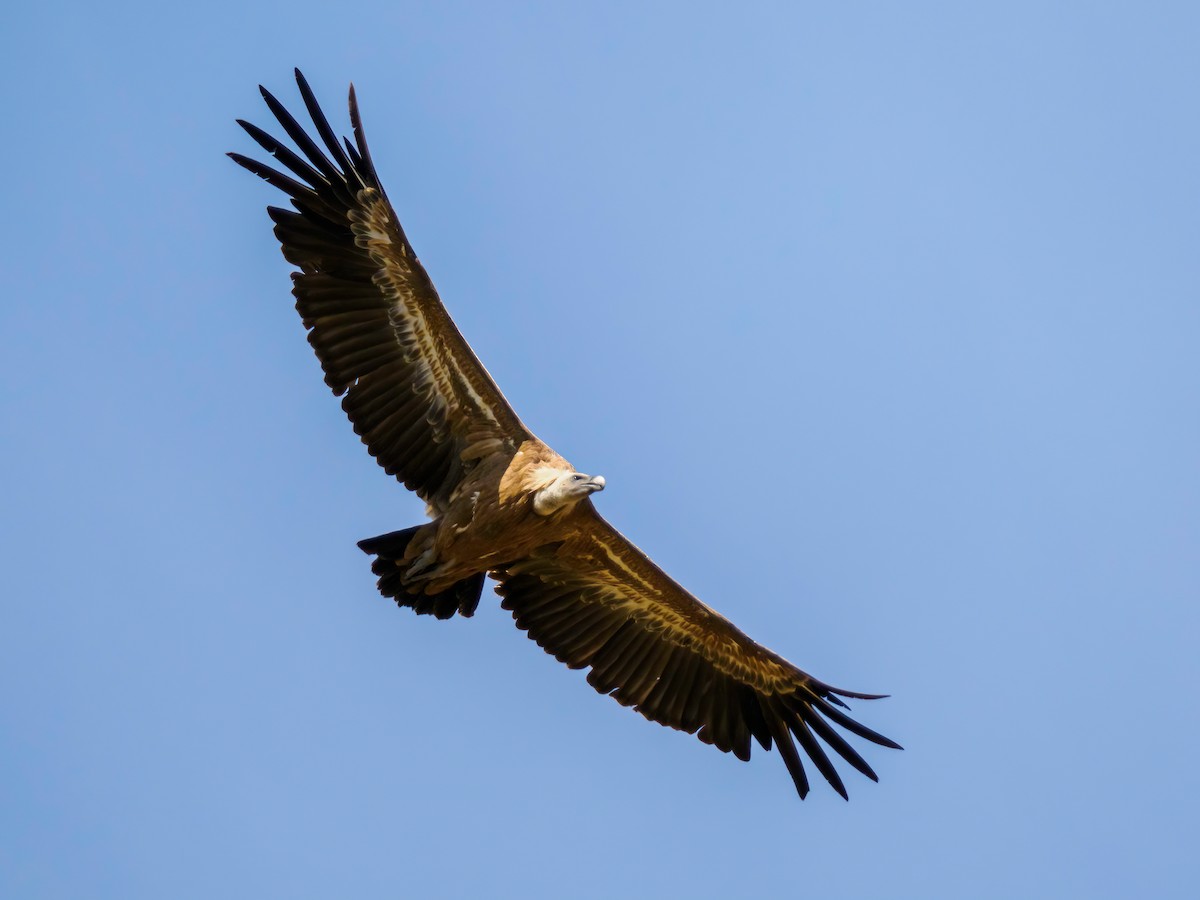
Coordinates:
577 478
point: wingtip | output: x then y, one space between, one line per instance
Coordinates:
244 161
835 782
856 695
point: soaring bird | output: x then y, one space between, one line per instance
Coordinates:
503 504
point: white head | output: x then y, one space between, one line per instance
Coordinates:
567 489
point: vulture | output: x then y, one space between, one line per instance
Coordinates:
503 504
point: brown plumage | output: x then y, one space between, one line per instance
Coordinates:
502 503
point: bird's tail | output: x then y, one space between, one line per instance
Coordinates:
393 564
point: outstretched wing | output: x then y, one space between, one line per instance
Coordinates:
422 403
596 600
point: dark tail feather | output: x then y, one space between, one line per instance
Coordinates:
391 545
388 550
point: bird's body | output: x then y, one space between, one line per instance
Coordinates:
502 503
492 517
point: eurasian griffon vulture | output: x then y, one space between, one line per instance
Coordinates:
502 503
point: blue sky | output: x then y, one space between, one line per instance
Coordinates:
891 356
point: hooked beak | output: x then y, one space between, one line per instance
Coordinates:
595 484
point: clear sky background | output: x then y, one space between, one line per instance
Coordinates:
882 320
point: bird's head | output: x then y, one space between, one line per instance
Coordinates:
566 489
